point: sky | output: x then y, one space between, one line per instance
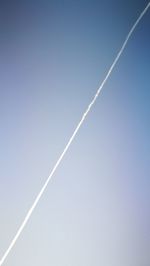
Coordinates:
53 57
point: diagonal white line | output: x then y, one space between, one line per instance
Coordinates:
72 138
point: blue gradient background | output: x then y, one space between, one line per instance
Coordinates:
53 56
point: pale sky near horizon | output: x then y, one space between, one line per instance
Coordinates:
54 54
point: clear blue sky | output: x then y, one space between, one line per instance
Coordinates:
53 56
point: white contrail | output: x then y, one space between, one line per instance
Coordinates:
72 138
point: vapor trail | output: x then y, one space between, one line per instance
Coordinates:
72 137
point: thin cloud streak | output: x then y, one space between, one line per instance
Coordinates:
29 213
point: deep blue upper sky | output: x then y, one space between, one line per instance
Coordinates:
53 57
